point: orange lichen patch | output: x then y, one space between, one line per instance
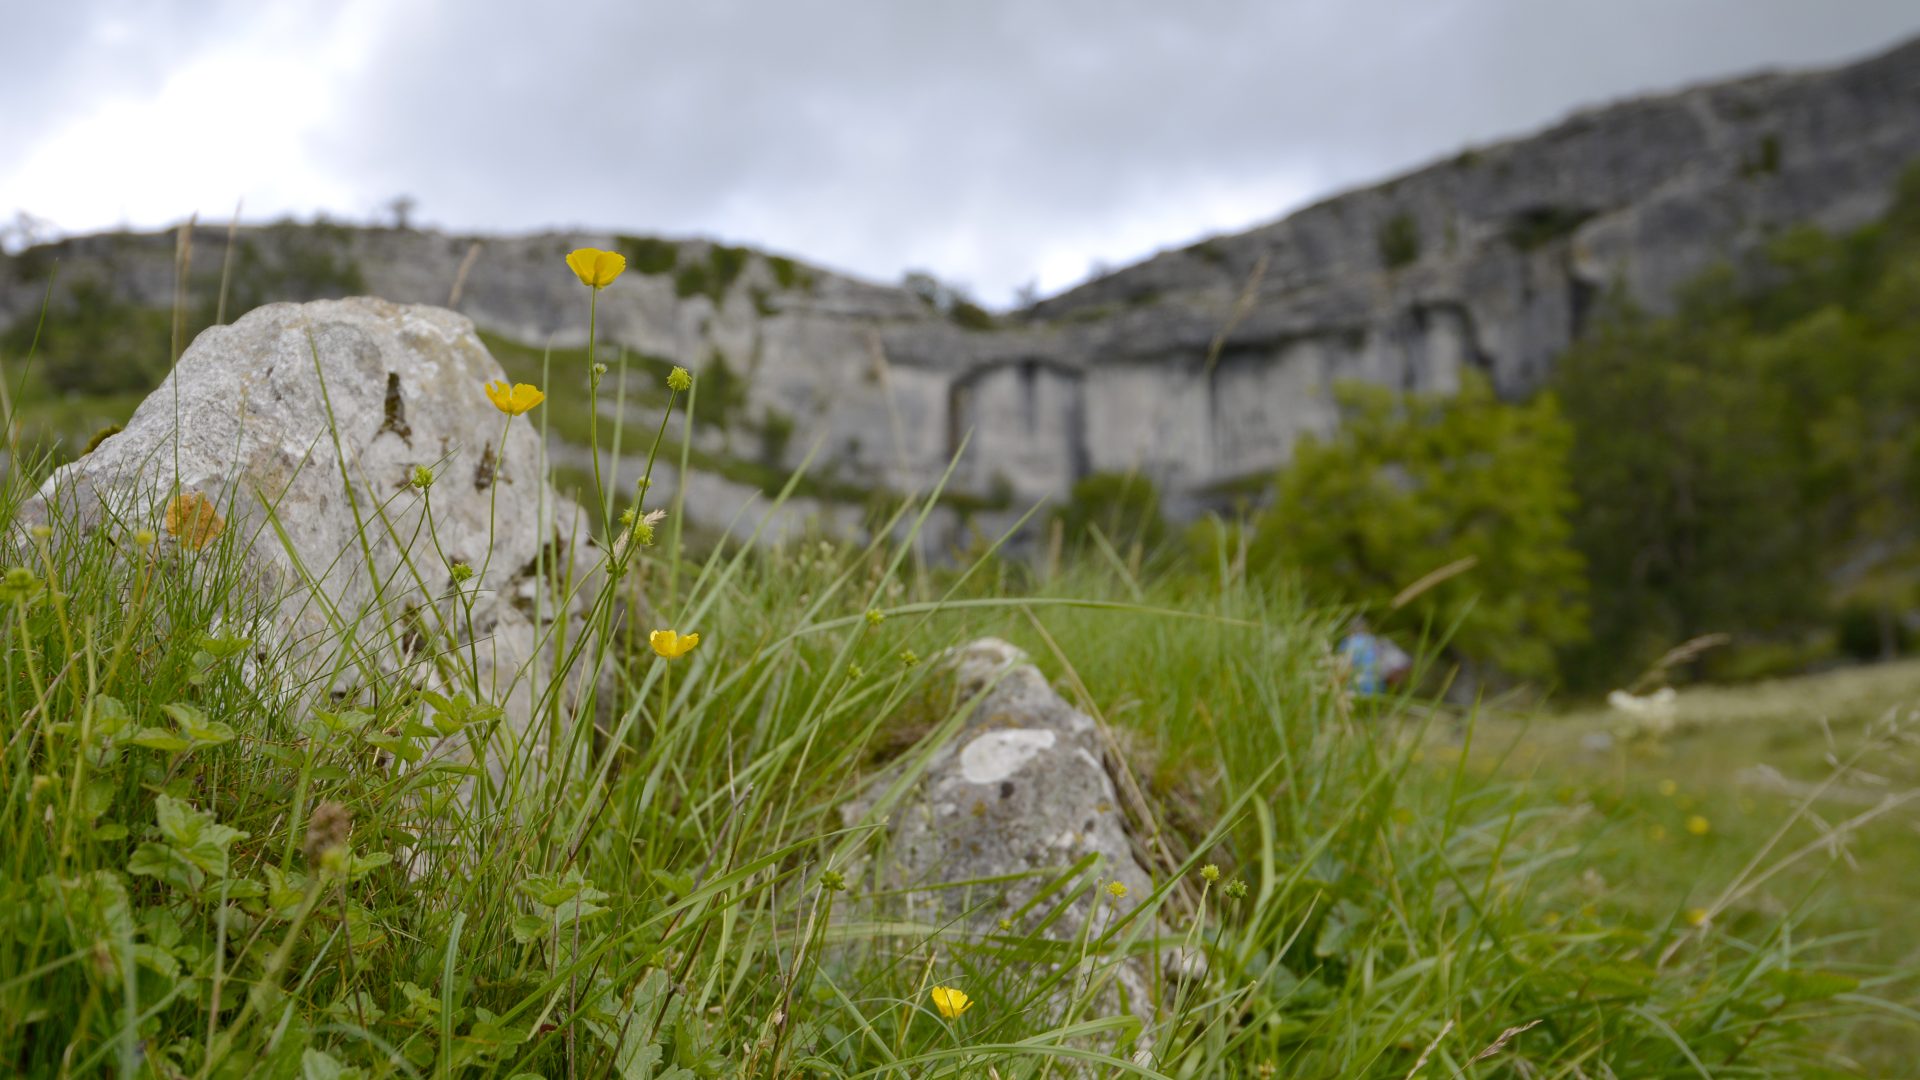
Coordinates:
192 519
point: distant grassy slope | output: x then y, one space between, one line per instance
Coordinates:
1795 757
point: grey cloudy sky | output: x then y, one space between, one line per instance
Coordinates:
995 142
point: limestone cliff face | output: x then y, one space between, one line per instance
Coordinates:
1200 366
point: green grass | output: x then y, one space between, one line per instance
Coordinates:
177 902
1822 768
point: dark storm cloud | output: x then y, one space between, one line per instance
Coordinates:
996 141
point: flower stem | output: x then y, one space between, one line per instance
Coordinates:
600 500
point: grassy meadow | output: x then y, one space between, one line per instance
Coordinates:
212 870
1784 799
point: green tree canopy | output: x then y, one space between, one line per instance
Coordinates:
1751 462
1414 482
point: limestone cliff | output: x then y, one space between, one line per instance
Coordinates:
1199 366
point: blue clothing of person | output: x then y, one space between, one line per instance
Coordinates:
1362 651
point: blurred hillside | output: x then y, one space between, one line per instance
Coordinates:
1702 281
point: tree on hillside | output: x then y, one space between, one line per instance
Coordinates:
1414 482
1690 510
1751 462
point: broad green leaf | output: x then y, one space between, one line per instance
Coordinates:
157 739
359 866
421 1003
195 725
166 864
109 715
320 1065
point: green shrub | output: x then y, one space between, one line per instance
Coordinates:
692 280
649 254
1210 251
1123 507
1414 483
1866 630
713 277
971 316
789 274
1731 456
93 344
726 263
1399 241
776 432
723 391
1542 225
1765 160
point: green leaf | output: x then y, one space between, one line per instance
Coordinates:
110 717
1622 978
399 747
320 1065
195 835
96 910
346 721
179 822
527 928
195 725
679 884
1800 986
97 798
166 864
359 866
224 648
285 890
156 739
356 1008
155 959
547 890
421 1004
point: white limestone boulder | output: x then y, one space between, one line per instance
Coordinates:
299 429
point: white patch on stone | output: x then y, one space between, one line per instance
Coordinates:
996 755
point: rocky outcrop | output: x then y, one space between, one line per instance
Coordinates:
1199 367
296 435
1014 825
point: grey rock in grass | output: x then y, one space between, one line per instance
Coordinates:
299 428
1017 802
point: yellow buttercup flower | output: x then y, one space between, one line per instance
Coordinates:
192 519
671 645
595 268
516 399
1116 889
1698 916
1698 825
951 1002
